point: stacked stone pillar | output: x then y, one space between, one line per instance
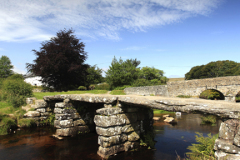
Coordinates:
227 145
120 128
68 121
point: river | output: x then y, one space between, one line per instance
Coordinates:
37 143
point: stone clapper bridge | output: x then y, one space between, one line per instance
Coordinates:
120 121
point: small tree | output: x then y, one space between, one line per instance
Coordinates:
122 72
5 67
94 75
60 61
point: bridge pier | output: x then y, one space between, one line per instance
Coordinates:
120 128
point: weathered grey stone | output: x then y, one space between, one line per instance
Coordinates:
220 155
40 104
63 123
225 146
227 129
79 122
67 131
58 110
236 140
107 121
45 114
134 136
42 110
48 109
109 111
110 131
131 127
113 140
107 105
60 105
63 116
106 152
75 116
32 114
30 100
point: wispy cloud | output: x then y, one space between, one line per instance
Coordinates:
17 70
27 20
134 48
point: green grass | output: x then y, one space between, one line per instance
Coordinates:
117 92
40 95
7 108
184 96
158 111
5 124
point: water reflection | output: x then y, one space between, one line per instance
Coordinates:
37 143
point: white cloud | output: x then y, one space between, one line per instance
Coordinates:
134 48
38 20
17 70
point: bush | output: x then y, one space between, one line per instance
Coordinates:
27 122
184 96
15 91
211 94
82 88
141 82
204 148
5 124
91 87
102 86
210 119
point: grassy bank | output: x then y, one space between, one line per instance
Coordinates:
40 95
158 111
117 92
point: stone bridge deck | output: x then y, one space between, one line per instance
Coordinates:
216 107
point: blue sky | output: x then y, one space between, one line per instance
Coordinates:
171 35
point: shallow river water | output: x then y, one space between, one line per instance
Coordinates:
37 143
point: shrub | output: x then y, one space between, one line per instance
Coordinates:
82 88
211 94
91 87
102 86
141 82
204 148
184 96
15 91
210 119
5 124
27 122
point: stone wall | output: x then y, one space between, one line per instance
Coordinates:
160 90
227 146
120 128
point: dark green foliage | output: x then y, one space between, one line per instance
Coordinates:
94 75
238 97
122 72
5 124
141 82
15 91
60 62
209 119
204 149
27 123
211 94
184 96
91 87
5 67
150 73
82 88
102 86
214 69
148 140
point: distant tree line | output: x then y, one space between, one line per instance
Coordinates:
214 69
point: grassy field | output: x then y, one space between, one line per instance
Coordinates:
175 79
117 92
40 95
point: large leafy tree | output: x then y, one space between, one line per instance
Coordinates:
122 72
60 61
94 75
214 69
5 67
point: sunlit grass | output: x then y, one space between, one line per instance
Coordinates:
40 95
158 111
117 92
